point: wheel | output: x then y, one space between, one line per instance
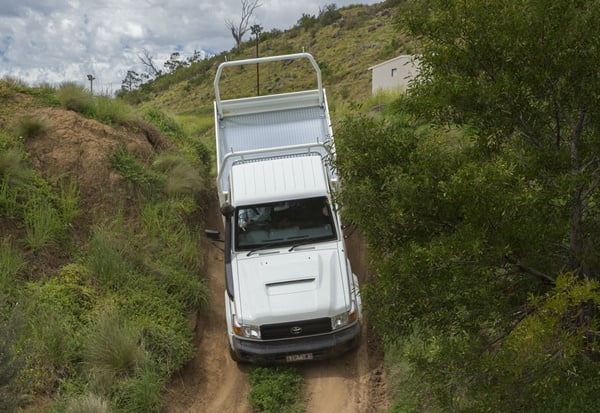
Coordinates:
234 356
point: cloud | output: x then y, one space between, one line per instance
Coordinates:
64 40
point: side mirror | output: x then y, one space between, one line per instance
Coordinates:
227 210
212 234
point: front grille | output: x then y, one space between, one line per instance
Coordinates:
295 329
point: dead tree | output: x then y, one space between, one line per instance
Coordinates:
148 61
238 30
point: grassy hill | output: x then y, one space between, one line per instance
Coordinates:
344 45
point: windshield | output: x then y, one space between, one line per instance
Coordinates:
283 223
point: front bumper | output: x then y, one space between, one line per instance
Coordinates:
321 347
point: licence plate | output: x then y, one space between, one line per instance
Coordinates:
298 357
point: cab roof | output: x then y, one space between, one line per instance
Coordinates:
277 179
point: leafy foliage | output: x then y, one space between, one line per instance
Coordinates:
482 224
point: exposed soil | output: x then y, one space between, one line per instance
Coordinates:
212 382
77 148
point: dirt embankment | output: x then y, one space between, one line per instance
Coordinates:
212 382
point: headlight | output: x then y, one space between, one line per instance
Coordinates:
345 318
246 330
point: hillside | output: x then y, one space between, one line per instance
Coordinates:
344 46
100 282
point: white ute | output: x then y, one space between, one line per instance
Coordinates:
290 292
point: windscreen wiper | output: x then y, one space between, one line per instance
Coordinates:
264 246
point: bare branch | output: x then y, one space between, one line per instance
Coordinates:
529 270
238 30
147 60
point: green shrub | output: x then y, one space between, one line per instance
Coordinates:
74 97
57 309
275 390
30 127
161 318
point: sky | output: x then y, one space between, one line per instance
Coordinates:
53 41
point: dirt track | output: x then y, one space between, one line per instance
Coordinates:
212 382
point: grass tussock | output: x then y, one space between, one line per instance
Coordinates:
13 169
112 349
12 263
74 97
88 403
30 127
43 224
110 111
183 178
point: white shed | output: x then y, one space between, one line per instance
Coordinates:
395 73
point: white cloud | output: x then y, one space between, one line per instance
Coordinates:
64 40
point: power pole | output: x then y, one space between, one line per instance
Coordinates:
91 79
256 30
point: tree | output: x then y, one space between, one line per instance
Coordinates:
523 74
174 62
148 61
478 195
238 30
131 81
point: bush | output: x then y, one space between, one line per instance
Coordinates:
57 309
275 390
